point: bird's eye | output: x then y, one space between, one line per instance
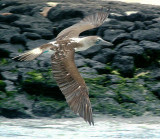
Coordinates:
98 41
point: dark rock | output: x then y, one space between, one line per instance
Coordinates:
155 74
32 36
8 67
104 56
10 76
92 51
125 43
152 49
8 18
139 16
125 65
9 86
80 63
18 39
28 64
147 23
113 79
2 85
155 88
135 16
35 43
131 50
44 33
4 4
155 25
45 63
137 52
137 25
87 70
47 109
36 83
114 24
5 35
99 67
156 20
33 23
111 34
7 49
23 9
13 109
78 56
3 26
56 14
2 95
150 35
120 38
21 24
23 99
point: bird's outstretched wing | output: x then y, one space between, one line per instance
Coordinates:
89 22
32 54
71 83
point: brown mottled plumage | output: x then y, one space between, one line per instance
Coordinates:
65 71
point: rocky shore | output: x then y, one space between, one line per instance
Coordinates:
123 80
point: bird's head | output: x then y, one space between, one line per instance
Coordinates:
95 40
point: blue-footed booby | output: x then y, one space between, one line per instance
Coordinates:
64 69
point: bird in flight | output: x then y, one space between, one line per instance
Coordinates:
65 72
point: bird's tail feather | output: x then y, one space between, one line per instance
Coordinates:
34 53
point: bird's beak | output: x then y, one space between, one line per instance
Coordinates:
106 43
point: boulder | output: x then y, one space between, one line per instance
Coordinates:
18 39
48 108
10 86
2 85
92 51
149 35
115 24
133 16
155 88
4 4
23 9
80 63
155 25
111 34
120 38
13 109
7 49
8 18
98 66
113 79
57 14
44 33
32 36
152 49
125 43
124 64
87 70
6 35
131 50
35 43
7 75
139 16
104 56
155 74
137 25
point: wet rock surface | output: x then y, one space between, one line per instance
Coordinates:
123 79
